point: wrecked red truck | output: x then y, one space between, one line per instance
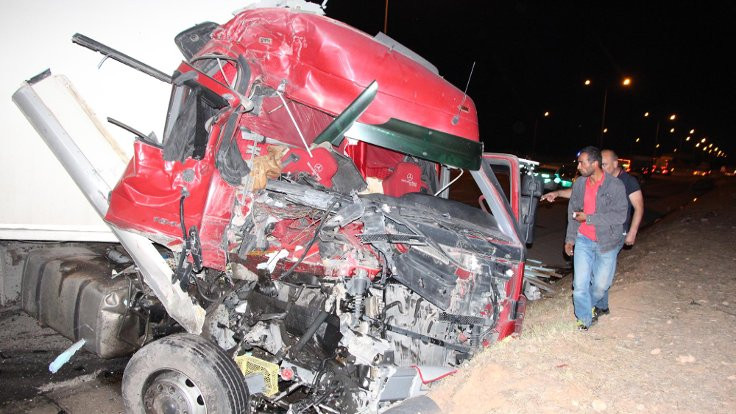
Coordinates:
298 207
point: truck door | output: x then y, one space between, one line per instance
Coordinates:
520 189
501 181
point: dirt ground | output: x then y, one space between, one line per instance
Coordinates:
668 346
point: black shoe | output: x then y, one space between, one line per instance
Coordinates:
598 312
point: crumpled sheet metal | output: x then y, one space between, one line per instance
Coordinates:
326 64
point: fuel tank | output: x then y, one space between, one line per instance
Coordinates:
71 290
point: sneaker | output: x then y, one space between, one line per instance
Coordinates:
581 325
598 312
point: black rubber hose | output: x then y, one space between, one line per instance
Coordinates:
184 248
181 217
310 332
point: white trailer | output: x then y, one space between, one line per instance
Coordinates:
41 203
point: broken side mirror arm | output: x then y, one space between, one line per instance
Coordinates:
109 52
335 132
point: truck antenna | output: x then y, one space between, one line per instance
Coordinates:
456 118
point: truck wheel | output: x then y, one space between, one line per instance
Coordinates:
183 373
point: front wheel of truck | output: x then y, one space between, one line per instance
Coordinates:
183 373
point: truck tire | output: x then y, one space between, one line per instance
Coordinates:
183 373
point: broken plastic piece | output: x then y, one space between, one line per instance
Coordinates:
65 356
273 259
262 375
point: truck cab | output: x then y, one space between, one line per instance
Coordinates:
304 240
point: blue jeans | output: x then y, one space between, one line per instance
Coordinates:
593 276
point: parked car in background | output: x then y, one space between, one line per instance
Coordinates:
636 169
640 167
549 176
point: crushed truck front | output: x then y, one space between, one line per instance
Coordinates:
296 198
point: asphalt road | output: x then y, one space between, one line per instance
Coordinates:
662 194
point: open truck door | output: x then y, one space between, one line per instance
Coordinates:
510 193
513 180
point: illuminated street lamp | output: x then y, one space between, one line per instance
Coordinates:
672 117
625 82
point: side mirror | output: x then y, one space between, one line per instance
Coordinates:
530 191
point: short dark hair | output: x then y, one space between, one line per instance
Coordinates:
594 154
613 153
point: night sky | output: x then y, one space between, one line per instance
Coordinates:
533 56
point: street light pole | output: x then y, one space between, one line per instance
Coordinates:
603 118
672 117
626 82
656 139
